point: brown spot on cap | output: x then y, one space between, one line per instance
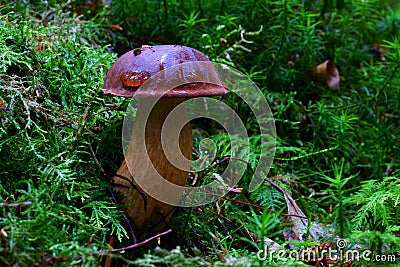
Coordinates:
134 79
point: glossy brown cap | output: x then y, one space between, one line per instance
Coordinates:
135 67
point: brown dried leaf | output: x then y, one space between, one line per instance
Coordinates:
299 222
379 52
115 27
327 73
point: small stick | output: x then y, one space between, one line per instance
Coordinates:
50 261
61 125
83 119
15 205
287 196
135 245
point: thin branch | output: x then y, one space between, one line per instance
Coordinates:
15 205
137 244
52 260
287 197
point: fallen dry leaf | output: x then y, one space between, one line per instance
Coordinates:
115 27
379 52
328 74
299 222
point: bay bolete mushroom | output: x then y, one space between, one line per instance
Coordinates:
126 78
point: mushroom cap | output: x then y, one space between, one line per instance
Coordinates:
135 67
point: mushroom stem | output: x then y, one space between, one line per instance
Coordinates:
151 213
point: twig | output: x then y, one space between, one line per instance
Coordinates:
83 119
94 155
15 205
228 220
112 107
276 186
220 256
50 261
61 125
286 195
137 244
204 161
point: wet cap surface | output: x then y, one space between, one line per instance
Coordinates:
168 64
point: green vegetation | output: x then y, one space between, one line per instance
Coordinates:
337 151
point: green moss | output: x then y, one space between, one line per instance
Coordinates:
54 121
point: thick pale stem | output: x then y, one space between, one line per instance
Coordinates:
156 213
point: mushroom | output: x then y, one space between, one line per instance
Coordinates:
124 78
